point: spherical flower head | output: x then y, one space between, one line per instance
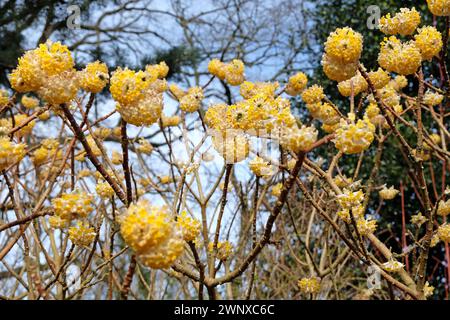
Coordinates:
73 205
128 86
296 84
144 227
29 102
388 193
94 77
379 78
28 76
82 234
366 226
171 121
309 285
354 138
4 97
232 147
215 115
393 266
190 227
104 190
250 89
443 208
313 94
116 158
102 132
404 22
443 232
418 219
432 99
260 167
398 83
327 114
350 199
157 71
224 249
354 85
338 71
60 88
346 214
145 111
234 72
402 58
56 222
144 146
276 189
344 45
192 100
10 153
298 139
429 41
165 254
165 179
217 68
54 58
439 7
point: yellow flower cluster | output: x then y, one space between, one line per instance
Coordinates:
29 102
443 232
276 189
404 22
104 190
192 100
392 266
73 205
309 285
366 226
250 89
296 84
10 153
232 72
354 85
343 50
46 152
153 234
418 219
4 97
400 57
346 214
388 193
432 99
139 97
94 77
379 78
429 41
49 71
298 139
443 208
82 234
350 199
260 167
439 7
7 124
354 138
190 227
313 94
144 146
224 249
